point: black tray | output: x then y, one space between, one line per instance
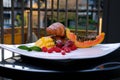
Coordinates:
22 70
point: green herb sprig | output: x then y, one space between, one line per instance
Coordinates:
32 48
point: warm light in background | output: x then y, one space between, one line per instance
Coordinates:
100 25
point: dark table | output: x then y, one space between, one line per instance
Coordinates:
16 68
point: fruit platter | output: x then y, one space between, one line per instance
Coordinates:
61 43
61 40
62 47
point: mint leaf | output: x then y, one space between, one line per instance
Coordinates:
25 48
35 48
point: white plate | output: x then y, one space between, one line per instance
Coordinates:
81 53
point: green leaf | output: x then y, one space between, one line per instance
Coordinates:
25 48
35 48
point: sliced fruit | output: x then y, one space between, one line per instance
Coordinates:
70 35
84 44
45 42
90 43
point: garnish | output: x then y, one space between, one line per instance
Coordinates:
23 47
35 48
32 48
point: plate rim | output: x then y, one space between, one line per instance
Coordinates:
4 46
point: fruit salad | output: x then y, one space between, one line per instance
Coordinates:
61 40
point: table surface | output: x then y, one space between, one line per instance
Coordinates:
16 68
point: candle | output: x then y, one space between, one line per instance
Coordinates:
100 25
